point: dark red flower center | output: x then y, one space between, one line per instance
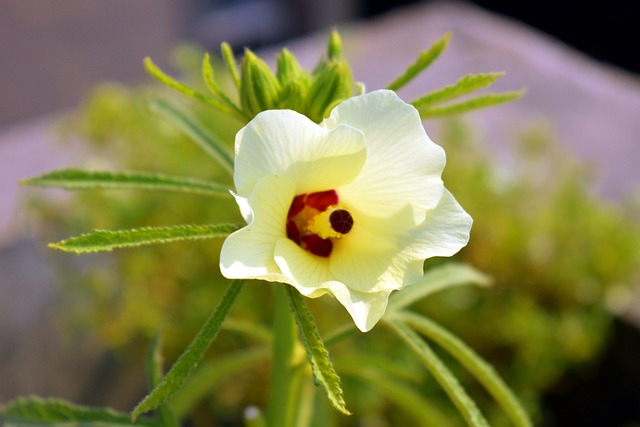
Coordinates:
314 221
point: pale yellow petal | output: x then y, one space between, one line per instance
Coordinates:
249 252
286 143
369 258
312 276
445 230
307 272
403 165
366 308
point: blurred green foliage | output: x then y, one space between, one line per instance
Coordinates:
556 251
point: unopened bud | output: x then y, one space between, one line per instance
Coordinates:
288 67
259 88
334 83
334 47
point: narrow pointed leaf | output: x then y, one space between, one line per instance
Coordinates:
193 354
465 405
78 179
210 373
465 85
437 279
155 371
170 82
33 411
317 354
210 81
107 240
425 59
482 101
153 365
230 62
400 393
189 125
480 369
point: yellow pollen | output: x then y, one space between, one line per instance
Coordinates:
320 224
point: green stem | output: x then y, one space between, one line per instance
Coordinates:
282 366
306 394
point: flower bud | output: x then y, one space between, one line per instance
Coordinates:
259 88
334 47
288 67
293 95
332 83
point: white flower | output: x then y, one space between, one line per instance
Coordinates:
350 207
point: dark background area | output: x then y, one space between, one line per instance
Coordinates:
607 31
61 50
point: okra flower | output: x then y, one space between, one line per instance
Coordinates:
350 207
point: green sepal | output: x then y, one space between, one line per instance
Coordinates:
259 89
332 84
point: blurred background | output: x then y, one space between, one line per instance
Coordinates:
551 180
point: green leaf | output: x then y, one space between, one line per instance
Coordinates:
400 393
425 59
230 62
210 81
210 373
437 279
78 179
154 376
481 101
106 240
467 84
193 354
36 411
189 125
249 328
465 405
318 355
170 82
153 366
480 369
